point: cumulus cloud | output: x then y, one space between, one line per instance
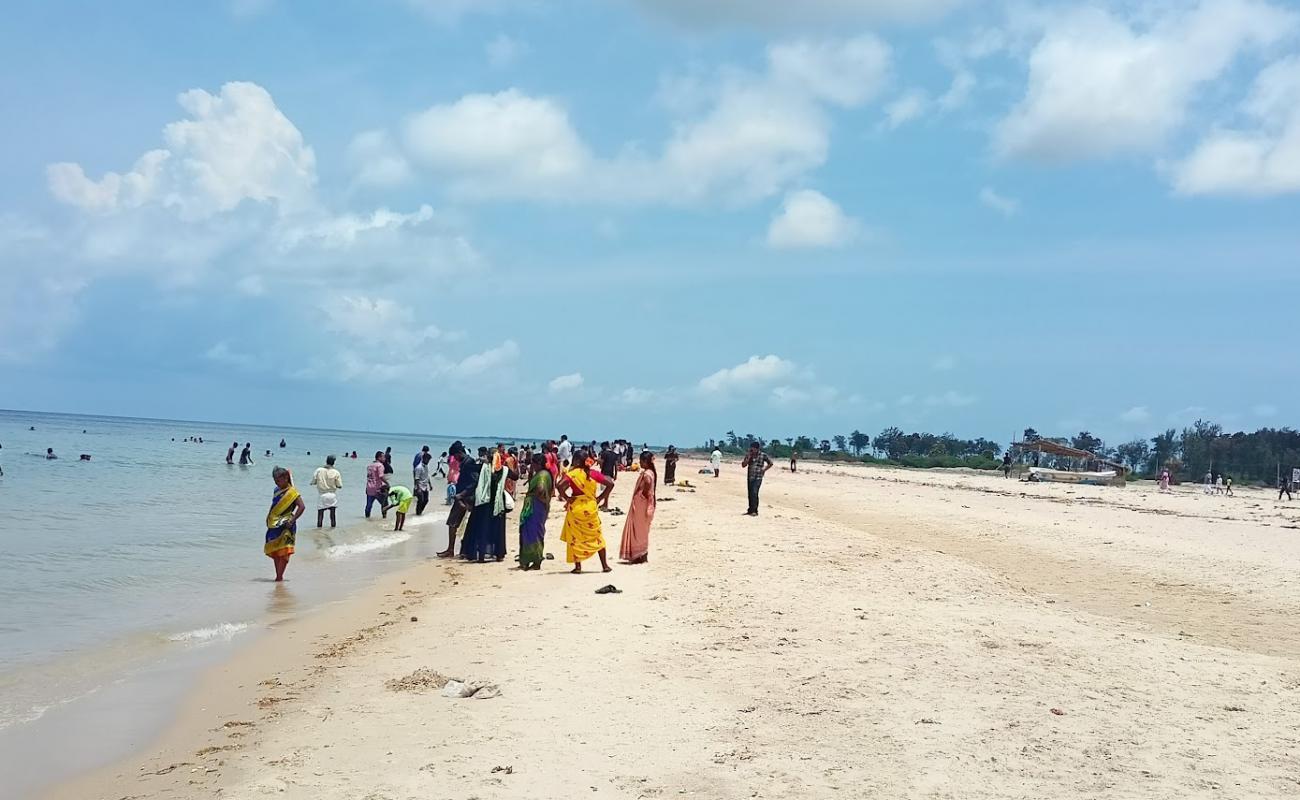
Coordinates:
756 373
565 383
740 137
905 108
1100 84
1006 206
1262 158
784 14
1136 414
810 219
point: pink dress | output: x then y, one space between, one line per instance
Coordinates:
636 532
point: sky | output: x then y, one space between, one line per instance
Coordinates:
658 219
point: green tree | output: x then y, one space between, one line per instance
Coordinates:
1135 453
1030 435
842 443
1086 441
891 442
859 441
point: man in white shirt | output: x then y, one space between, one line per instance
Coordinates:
327 481
564 451
716 461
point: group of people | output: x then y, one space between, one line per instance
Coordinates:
482 488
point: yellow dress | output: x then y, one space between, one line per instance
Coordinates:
582 519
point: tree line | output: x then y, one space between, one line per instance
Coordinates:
1188 454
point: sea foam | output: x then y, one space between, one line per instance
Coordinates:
367 545
224 630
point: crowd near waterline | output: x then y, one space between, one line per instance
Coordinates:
483 488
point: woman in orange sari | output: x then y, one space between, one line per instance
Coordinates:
635 548
578 489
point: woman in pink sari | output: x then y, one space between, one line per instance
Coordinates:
635 548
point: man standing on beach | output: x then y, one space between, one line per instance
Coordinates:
463 499
715 461
1284 487
757 463
415 462
423 483
609 467
565 451
327 481
1006 465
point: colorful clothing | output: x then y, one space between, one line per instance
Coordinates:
532 520
636 532
582 520
401 497
281 527
485 536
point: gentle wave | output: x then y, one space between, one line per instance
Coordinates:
367 545
225 630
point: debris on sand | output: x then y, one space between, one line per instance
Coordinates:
421 680
477 689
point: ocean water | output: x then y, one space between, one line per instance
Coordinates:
138 562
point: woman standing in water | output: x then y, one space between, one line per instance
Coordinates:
532 516
578 489
635 548
282 520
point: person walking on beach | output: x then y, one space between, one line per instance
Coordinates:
327 481
1284 487
282 521
1164 480
578 488
564 451
423 483
230 454
466 484
757 464
635 546
246 455
609 466
1227 487
715 461
1006 464
533 513
440 469
400 497
377 486
794 461
670 465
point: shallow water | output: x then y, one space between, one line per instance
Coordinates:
128 564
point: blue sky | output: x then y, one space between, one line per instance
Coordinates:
655 218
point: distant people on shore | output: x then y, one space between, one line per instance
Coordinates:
1284 487
756 464
1164 480
670 465
1006 464
715 462
794 461
282 521
328 481
635 545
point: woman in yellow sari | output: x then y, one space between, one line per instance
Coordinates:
282 520
578 488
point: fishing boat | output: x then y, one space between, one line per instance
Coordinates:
1045 475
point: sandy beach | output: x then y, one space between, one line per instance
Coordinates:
874 633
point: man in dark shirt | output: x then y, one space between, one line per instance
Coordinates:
756 465
609 468
463 501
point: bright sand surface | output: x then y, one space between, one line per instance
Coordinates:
875 633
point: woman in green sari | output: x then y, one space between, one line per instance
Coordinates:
532 516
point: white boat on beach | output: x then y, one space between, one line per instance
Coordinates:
1045 475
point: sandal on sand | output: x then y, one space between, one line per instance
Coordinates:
609 589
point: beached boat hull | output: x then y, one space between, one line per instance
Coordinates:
1044 475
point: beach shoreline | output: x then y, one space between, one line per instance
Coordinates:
933 620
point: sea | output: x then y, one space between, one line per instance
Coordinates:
123 576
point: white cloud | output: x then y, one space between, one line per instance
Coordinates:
740 138
1006 206
234 146
503 51
1263 159
222 353
809 396
950 399
493 358
634 396
959 91
945 363
784 14
1101 85
907 107
377 161
810 219
1136 414
365 318
565 383
757 372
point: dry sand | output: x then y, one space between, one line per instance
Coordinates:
876 633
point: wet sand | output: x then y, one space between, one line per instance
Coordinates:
874 633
